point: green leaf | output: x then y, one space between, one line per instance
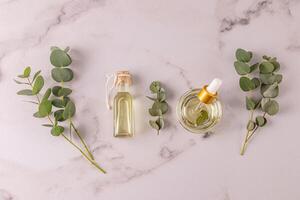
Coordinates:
37 115
57 130
260 121
264 101
203 117
242 55
250 103
266 57
155 112
266 67
270 91
26 73
62 74
267 78
251 125
36 75
253 67
58 115
47 125
60 58
154 125
47 94
19 82
69 111
25 92
55 90
271 107
256 82
161 96
64 92
278 78
155 87
275 64
38 85
45 108
163 106
59 103
241 68
160 122
246 84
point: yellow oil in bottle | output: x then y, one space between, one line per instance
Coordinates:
123 106
123 115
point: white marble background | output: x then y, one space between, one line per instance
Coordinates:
183 44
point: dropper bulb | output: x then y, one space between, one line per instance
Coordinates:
214 86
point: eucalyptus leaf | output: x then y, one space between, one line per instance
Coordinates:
275 64
271 107
155 112
25 92
155 87
251 125
270 91
59 103
161 96
256 82
55 90
37 115
60 58
47 125
241 68
160 122
250 103
264 101
154 125
151 98
69 111
163 106
260 121
45 108
64 92
266 67
243 55
246 84
36 75
47 94
19 82
58 115
202 117
38 85
57 130
254 67
62 74
26 73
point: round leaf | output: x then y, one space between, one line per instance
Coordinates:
62 74
260 121
155 87
38 85
163 106
250 125
242 55
270 91
246 84
57 130
256 82
160 122
241 68
161 96
60 58
57 103
253 67
266 67
58 115
271 107
64 92
69 111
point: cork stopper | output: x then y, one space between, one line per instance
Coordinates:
123 77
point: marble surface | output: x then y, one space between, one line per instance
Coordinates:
184 44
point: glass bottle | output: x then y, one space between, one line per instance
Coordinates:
122 106
199 110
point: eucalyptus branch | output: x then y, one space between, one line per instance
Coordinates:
159 107
268 82
56 98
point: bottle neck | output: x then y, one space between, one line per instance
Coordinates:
123 87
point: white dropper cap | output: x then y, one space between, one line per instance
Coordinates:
214 86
